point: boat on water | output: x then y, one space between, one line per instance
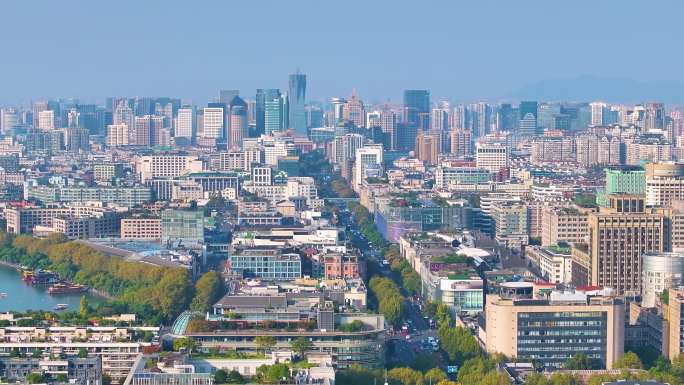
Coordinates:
3 295
61 306
67 288
39 277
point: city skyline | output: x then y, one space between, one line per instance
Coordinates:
192 51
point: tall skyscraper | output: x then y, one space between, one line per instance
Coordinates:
353 111
238 122
528 119
8 119
297 99
38 107
227 96
46 120
262 96
366 157
417 102
388 125
150 131
274 115
213 122
428 146
185 123
597 111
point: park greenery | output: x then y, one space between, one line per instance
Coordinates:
156 294
389 298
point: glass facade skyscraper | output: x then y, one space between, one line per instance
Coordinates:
417 103
262 95
297 99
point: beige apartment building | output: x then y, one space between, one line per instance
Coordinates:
564 224
141 229
619 236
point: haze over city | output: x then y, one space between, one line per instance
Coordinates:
461 50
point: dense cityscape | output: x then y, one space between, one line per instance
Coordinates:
306 192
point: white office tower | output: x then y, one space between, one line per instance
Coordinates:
368 157
597 110
46 120
213 123
185 123
8 119
492 156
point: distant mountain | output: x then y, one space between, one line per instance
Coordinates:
589 88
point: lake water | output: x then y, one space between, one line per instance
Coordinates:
22 297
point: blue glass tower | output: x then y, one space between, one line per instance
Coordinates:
297 97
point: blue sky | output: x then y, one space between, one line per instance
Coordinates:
461 50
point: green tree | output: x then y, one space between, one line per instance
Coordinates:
265 343
184 343
221 376
300 345
405 376
37 353
628 361
358 375
434 375
564 379
579 361
82 353
83 307
234 377
61 377
35 378
208 290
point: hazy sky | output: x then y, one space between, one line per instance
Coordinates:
462 50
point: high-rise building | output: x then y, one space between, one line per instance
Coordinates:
117 135
274 115
297 99
38 107
598 109
148 130
238 122
655 116
528 119
388 125
586 148
262 96
185 123
8 119
366 157
461 143
664 183
428 146
417 103
440 119
76 139
619 236
506 118
552 149
46 120
213 126
628 181
353 111
226 96
492 156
